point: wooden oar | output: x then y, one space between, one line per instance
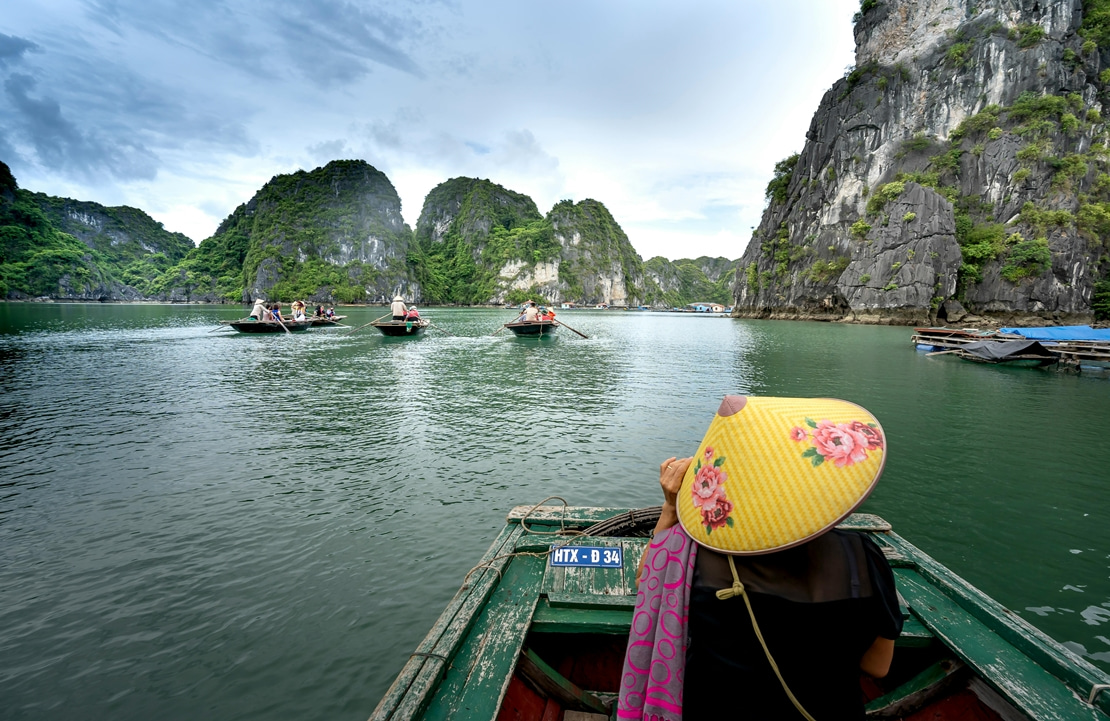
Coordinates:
503 327
571 329
278 321
365 324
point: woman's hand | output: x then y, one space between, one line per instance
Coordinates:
671 472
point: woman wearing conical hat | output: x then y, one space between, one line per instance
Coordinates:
751 603
397 308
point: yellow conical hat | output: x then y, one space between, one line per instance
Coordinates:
774 472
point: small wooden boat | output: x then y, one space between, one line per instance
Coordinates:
1008 352
527 639
532 327
318 322
395 328
250 325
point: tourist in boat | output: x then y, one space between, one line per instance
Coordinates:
745 552
397 308
258 312
275 312
319 312
331 312
412 313
298 310
547 314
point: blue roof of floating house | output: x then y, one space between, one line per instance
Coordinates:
1061 332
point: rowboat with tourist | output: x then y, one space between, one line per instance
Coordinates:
532 328
401 328
527 637
250 325
326 321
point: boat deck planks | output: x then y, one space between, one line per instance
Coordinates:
414 686
1029 686
479 674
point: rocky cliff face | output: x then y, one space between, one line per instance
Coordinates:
597 262
64 249
120 233
482 243
960 168
331 234
670 284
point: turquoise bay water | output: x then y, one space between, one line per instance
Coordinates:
198 524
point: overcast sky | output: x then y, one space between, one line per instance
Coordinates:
672 114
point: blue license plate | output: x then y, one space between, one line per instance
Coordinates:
588 556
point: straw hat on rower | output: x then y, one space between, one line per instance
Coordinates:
772 473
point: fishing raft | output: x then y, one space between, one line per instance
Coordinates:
525 638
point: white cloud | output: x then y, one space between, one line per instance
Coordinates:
670 114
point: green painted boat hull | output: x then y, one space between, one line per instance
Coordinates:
522 639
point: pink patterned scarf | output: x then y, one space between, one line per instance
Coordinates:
654 664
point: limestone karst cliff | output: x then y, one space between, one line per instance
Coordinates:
78 250
335 234
960 168
478 242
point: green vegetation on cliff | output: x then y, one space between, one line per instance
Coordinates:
60 247
698 280
486 227
335 234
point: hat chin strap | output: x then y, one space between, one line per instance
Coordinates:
737 589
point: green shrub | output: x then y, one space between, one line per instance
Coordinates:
1069 123
753 278
778 187
1029 35
917 143
1028 258
1089 47
1100 301
884 194
891 286
861 228
947 162
1094 116
1093 220
909 217
864 278
864 7
958 55
1096 22
982 121
823 271
1022 174
995 133
1033 152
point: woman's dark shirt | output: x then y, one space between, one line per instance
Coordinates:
820 606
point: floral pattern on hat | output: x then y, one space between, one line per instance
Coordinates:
842 443
708 492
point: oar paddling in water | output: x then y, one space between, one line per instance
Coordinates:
364 325
571 329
